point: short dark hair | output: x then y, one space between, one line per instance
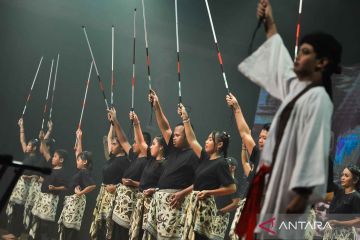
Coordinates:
223 137
86 156
326 46
266 127
62 153
355 171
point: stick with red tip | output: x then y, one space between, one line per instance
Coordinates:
217 48
178 51
47 95
147 46
53 92
31 88
133 72
112 67
84 101
298 30
96 69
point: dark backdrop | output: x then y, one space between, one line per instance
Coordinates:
31 29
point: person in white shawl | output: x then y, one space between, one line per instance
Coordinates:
296 163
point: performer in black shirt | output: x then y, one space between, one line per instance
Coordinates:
126 192
344 211
148 181
212 178
81 184
112 173
175 181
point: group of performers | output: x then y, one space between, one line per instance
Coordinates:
168 187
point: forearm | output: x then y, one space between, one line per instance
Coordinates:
88 189
48 133
121 136
22 138
231 206
242 126
350 223
187 190
161 118
78 148
191 138
139 137
60 188
244 160
222 190
270 28
106 148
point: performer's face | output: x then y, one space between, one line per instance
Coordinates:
306 63
210 144
56 160
262 139
179 138
347 179
80 163
115 146
155 148
30 147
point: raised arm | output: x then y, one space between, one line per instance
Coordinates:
244 160
139 137
109 138
106 150
242 126
271 65
44 150
22 134
161 119
119 131
189 132
264 11
49 131
78 147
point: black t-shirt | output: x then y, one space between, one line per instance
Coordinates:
57 178
254 162
343 204
179 169
82 178
114 168
212 174
151 174
136 167
223 201
33 160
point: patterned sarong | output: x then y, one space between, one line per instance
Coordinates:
163 221
34 191
203 217
339 233
45 209
232 233
72 213
139 216
18 196
102 211
124 204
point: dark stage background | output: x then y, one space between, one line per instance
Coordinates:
31 29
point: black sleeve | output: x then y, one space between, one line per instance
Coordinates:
170 146
337 189
86 179
254 157
356 203
132 155
223 174
203 155
236 194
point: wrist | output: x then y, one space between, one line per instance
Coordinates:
186 120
